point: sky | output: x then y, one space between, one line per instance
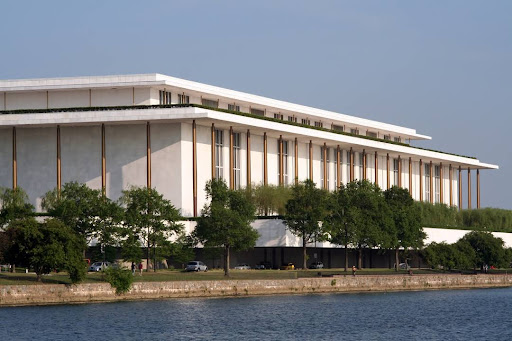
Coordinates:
440 67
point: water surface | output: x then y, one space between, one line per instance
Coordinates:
428 315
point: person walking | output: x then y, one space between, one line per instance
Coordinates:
140 269
133 268
354 269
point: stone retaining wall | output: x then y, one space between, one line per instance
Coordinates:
101 292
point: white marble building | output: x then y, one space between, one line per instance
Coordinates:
153 130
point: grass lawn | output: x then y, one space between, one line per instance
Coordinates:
178 275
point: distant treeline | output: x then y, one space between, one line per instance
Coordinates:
484 219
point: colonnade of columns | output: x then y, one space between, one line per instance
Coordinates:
265 166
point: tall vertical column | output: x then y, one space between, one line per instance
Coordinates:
364 164
103 162
469 188
460 188
376 168
338 168
399 171
421 180
387 171
450 175
478 188
248 158
310 160
213 151
281 168
59 183
296 161
148 144
324 151
231 171
410 176
265 170
14 160
194 166
441 197
431 184
351 164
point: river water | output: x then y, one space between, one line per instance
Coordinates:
479 314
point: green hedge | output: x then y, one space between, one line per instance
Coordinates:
484 219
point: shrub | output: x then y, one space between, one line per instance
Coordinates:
120 279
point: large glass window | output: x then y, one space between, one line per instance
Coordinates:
236 159
219 144
233 107
361 166
325 165
285 162
427 182
184 99
210 103
437 183
396 174
165 97
335 158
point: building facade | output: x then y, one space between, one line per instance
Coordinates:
174 135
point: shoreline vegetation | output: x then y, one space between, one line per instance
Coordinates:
15 291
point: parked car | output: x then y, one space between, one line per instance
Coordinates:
316 265
403 266
242 267
263 266
196 266
288 266
99 266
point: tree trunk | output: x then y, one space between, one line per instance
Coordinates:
396 259
360 259
226 260
147 254
154 258
38 277
304 253
346 257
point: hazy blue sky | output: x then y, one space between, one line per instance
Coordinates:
441 67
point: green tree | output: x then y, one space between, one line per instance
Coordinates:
87 211
150 220
270 199
488 249
406 217
226 221
47 246
305 212
370 217
339 219
450 256
14 204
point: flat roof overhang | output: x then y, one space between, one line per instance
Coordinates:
200 89
239 123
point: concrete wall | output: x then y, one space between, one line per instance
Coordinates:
62 294
81 155
171 158
6 157
126 157
37 162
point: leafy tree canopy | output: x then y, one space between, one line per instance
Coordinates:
305 212
226 220
14 204
150 220
47 246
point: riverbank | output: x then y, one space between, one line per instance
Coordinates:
16 295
